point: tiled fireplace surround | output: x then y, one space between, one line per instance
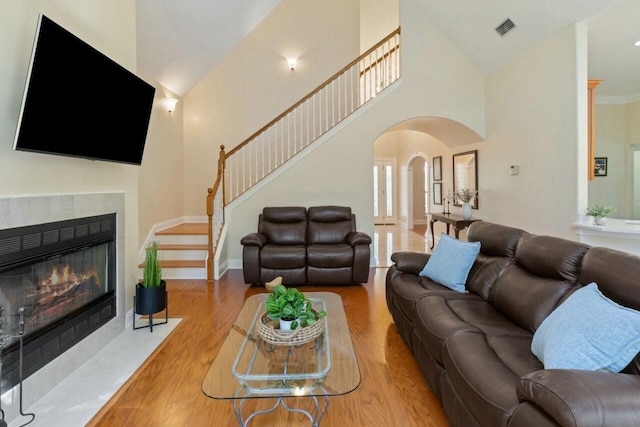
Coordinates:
22 211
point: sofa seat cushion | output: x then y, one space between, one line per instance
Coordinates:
330 256
406 289
290 276
325 276
283 257
437 317
485 371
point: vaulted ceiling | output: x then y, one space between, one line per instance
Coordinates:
180 42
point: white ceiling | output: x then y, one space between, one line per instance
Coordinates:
180 42
613 58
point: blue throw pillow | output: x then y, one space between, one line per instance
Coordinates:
451 262
588 331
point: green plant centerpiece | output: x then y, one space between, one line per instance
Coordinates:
599 213
289 304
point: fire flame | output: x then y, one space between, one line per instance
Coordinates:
67 276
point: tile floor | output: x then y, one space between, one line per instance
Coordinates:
388 239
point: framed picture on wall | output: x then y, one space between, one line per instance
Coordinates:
437 168
601 166
437 193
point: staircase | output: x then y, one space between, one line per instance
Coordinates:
251 161
182 251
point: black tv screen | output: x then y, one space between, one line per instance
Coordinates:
80 103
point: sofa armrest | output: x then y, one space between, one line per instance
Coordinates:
254 239
358 238
584 398
410 262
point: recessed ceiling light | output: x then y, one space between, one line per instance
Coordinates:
637 43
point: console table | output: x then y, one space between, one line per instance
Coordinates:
457 221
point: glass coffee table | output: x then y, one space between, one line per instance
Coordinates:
247 367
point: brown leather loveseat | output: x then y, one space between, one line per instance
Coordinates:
316 246
475 347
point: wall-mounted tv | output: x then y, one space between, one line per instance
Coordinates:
78 102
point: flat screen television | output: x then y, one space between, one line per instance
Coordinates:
78 102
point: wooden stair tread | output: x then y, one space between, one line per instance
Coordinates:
183 247
185 229
179 264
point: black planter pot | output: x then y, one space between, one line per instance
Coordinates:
147 301
151 300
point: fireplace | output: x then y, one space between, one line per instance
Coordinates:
57 286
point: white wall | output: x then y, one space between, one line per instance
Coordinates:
161 184
536 120
610 142
253 84
632 135
418 190
378 18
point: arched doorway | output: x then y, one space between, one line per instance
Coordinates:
409 149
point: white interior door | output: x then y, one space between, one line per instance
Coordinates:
384 191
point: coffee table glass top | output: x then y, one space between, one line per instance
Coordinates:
246 366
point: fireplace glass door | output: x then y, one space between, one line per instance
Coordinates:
53 289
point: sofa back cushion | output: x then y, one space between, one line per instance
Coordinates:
617 274
545 269
495 239
497 251
329 224
284 225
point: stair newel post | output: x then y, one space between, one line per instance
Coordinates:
222 163
211 210
210 233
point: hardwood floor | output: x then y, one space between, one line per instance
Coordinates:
166 390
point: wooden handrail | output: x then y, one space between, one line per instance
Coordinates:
378 61
310 94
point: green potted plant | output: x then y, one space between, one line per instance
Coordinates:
291 308
599 213
151 292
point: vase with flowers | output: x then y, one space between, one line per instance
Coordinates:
465 195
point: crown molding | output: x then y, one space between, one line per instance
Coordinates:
618 99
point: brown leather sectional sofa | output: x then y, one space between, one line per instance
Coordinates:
474 348
319 245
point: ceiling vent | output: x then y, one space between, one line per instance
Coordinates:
505 27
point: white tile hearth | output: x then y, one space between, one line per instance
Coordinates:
77 398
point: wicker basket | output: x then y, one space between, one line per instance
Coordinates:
270 333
